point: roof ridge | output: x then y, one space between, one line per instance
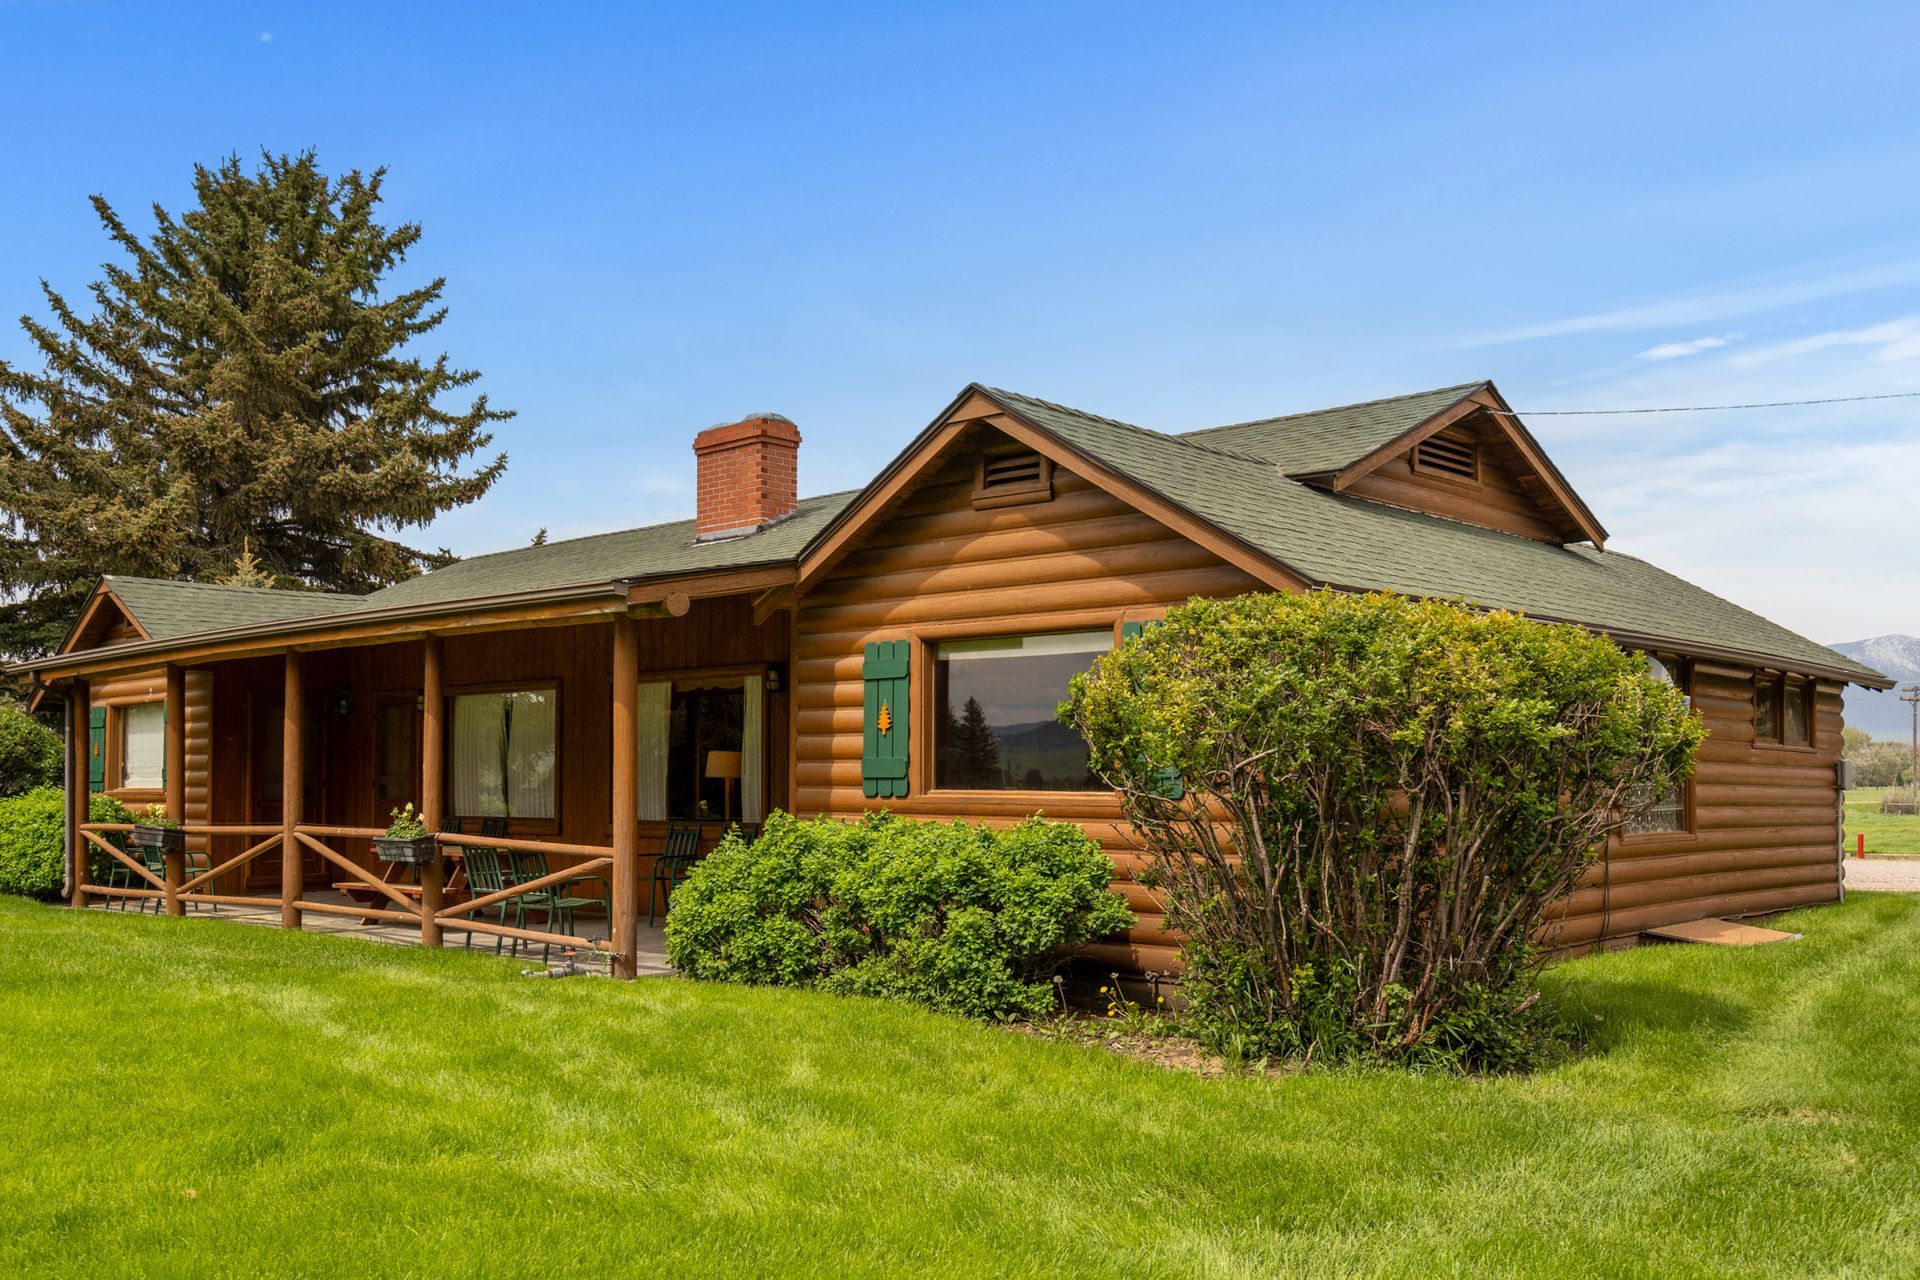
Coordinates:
1334 408
1166 436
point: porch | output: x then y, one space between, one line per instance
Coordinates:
557 759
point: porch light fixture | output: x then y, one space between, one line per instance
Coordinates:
773 678
343 703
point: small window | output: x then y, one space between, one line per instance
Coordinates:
143 745
995 727
1669 811
1458 459
1799 713
504 754
1766 708
1012 479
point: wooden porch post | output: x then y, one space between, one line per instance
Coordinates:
624 935
432 769
292 716
175 768
79 784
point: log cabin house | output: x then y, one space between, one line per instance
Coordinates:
899 646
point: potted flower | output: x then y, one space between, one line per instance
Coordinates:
154 829
407 839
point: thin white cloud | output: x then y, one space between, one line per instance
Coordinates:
1680 350
1889 343
1722 302
266 37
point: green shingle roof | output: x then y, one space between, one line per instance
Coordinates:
1234 477
166 609
608 557
1329 439
1341 541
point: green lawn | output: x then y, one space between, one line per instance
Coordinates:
185 1097
1886 833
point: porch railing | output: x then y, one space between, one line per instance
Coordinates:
402 907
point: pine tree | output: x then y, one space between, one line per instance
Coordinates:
242 382
976 751
246 571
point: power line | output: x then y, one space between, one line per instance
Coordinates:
1702 408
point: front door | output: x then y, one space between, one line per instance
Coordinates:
396 756
266 730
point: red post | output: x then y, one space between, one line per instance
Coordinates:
1860 844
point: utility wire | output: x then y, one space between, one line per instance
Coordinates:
1701 408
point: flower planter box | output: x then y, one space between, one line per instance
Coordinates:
162 839
417 850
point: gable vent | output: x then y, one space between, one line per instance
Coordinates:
1457 458
1012 479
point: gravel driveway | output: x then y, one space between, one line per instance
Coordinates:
1901 875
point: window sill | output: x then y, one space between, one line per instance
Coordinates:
999 793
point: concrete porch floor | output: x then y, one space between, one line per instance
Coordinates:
651 958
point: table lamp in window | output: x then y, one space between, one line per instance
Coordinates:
725 765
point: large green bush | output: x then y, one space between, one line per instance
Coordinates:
29 751
32 840
952 915
1383 802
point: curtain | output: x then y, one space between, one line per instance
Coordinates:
479 727
143 744
753 802
503 754
655 703
530 753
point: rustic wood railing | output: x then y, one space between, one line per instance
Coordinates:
402 907
188 889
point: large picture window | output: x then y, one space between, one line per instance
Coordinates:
504 753
994 709
143 745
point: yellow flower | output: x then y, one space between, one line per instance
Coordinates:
1103 991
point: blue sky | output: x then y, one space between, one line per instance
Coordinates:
654 218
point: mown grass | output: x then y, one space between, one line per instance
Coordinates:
1887 834
195 1098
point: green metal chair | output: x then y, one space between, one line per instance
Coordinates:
156 862
487 873
118 874
558 901
675 862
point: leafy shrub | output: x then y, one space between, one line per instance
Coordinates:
29 752
32 840
1384 799
958 917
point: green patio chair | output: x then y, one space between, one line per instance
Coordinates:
487 873
674 863
558 901
118 874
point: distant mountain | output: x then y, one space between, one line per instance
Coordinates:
1882 714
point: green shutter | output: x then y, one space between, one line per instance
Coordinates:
97 749
1167 783
883 752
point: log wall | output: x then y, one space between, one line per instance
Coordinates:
936 566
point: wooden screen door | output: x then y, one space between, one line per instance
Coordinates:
266 731
396 756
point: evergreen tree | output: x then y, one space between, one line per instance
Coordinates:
242 382
976 751
246 571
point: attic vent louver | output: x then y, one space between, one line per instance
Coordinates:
1012 479
1457 458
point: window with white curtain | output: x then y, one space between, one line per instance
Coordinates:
504 751
683 726
143 745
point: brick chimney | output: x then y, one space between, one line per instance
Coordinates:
749 475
